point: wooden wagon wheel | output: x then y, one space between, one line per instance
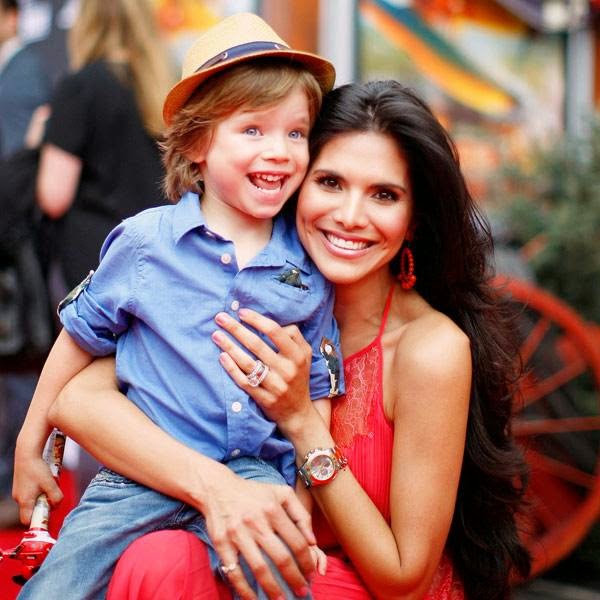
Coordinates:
557 421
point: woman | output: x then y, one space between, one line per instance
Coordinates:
99 161
433 482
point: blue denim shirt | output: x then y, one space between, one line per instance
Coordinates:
163 277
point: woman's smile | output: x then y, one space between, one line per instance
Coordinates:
350 246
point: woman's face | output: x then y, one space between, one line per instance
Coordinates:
355 206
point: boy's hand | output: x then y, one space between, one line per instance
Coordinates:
32 477
320 559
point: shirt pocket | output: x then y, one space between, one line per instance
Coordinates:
284 300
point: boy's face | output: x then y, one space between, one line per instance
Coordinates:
256 158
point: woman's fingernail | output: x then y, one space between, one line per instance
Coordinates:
242 312
217 336
221 318
301 591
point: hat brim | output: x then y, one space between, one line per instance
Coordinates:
180 93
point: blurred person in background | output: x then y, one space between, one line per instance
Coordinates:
24 86
23 83
100 161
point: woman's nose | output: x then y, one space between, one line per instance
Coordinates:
351 212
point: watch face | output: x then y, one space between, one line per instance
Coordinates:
322 468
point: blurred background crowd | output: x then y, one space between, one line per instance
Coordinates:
516 82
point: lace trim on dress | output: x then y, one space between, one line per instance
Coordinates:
352 415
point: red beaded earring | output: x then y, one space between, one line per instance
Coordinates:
407 276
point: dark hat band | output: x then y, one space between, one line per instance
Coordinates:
241 50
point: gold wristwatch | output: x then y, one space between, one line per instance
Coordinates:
321 465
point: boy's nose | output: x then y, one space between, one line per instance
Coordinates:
277 149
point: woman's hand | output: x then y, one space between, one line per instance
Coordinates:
283 395
250 518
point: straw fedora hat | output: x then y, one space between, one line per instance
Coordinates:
233 40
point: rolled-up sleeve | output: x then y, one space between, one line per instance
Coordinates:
101 312
326 373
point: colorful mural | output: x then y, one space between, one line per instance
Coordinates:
484 71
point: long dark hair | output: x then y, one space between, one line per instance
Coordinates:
453 248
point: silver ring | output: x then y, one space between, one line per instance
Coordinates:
226 569
258 374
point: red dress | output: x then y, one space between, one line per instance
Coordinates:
359 426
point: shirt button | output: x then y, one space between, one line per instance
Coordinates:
226 258
235 452
236 407
235 305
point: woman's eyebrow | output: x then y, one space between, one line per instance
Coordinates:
330 172
386 185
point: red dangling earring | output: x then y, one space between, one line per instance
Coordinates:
407 275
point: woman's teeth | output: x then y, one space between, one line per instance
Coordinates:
345 244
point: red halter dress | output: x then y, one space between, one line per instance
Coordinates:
174 564
361 429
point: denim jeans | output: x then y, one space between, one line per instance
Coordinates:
113 512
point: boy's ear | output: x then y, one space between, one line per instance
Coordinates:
197 153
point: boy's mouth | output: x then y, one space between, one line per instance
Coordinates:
267 181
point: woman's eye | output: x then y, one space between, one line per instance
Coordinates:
328 182
296 134
251 131
386 195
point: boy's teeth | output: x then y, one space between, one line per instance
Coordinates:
266 181
346 244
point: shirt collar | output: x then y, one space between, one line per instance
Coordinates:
187 216
284 246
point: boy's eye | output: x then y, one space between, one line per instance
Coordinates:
252 131
296 134
329 182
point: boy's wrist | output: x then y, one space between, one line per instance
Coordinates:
31 441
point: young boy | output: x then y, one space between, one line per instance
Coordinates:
235 151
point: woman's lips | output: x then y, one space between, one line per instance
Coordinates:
344 245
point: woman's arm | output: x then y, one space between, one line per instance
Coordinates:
429 411
242 516
57 180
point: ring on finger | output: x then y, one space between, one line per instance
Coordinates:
226 569
258 374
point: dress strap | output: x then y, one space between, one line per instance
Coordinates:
386 310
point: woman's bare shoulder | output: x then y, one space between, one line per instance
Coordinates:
432 345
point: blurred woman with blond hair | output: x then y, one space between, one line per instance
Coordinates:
99 160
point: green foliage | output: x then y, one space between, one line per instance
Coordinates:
552 209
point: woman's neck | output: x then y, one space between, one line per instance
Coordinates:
359 308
